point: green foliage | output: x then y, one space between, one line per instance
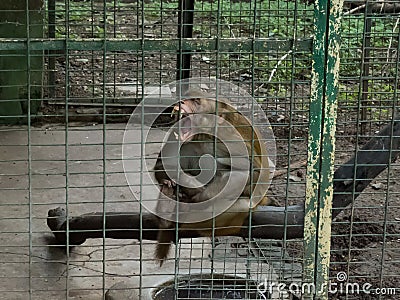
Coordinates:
246 19
280 19
85 19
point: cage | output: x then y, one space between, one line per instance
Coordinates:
74 219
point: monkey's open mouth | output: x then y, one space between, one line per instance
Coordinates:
183 112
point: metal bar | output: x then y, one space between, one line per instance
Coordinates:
365 67
67 146
328 147
185 30
323 108
51 8
314 143
104 152
28 99
200 44
142 145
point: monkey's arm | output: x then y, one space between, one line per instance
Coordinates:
159 171
219 187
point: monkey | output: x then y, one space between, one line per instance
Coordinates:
197 103
256 171
190 153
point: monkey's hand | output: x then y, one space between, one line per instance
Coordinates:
169 182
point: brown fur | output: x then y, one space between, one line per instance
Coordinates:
231 221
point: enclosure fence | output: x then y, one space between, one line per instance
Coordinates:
74 222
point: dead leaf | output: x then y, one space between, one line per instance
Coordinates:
377 186
294 178
205 59
280 118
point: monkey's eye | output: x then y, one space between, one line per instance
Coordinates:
197 101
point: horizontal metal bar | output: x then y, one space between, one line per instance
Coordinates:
195 44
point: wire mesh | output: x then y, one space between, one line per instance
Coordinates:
364 235
63 132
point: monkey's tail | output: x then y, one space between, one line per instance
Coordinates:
164 239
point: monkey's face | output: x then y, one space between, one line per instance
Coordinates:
199 106
183 112
190 107
196 117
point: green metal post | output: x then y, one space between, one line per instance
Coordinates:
321 145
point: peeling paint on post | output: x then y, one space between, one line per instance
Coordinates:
328 147
321 145
314 147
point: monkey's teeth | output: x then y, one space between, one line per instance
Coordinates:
174 112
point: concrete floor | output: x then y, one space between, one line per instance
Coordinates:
33 267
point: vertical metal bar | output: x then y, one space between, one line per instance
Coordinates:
51 8
185 30
291 120
104 96
28 86
161 61
362 108
314 140
251 177
360 122
217 66
328 147
323 108
93 61
142 149
365 66
183 64
66 140
114 24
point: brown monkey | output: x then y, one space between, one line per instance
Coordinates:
190 154
231 220
198 103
